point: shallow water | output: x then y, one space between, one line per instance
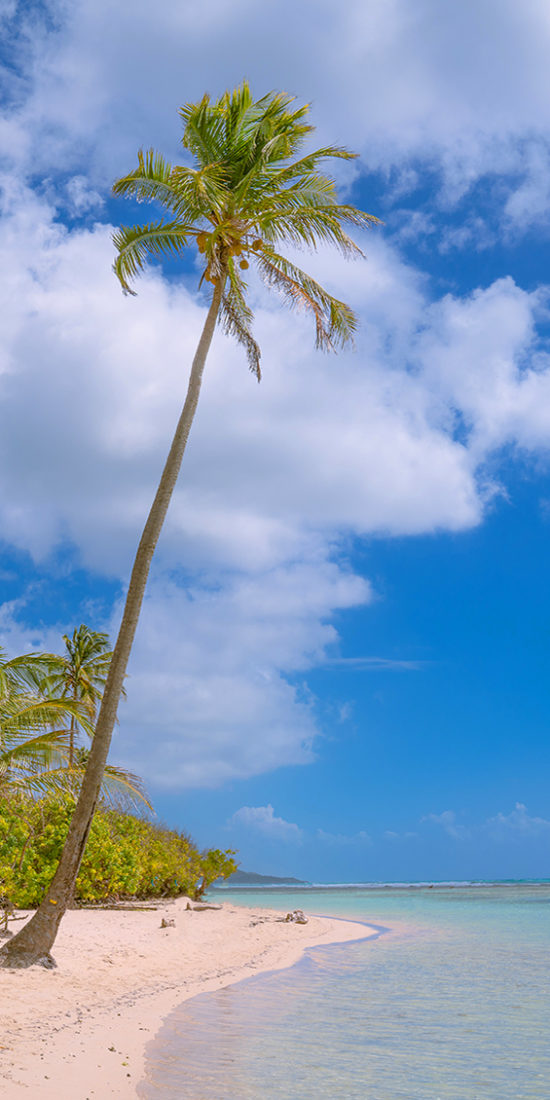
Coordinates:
452 1003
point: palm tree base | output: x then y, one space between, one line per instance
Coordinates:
31 946
20 959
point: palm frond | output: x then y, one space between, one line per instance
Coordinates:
202 191
335 322
235 319
204 130
29 713
120 789
25 672
152 180
40 783
136 243
26 753
124 789
308 165
307 227
251 190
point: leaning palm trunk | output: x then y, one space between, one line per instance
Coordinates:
245 197
33 944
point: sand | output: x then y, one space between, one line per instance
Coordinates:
79 1032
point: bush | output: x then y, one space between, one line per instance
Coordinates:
125 857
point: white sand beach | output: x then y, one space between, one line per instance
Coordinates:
79 1032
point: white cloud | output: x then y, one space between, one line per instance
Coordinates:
447 821
262 819
92 384
359 838
463 89
393 439
529 202
506 399
276 472
209 674
82 198
362 664
276 477
215 688
518 823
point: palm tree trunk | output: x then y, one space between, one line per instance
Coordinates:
33 944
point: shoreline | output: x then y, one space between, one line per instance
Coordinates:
80 1031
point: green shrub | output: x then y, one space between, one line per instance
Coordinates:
125 857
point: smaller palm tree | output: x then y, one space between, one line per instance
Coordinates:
79 676
34 740
46 703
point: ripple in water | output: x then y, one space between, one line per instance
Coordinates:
456 1009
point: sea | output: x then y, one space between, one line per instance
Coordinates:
450 1001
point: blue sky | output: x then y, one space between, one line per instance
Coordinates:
342 665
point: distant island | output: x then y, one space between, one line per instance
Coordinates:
250 878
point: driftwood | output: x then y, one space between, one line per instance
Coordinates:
123 908
297 917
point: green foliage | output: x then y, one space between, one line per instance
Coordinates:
214 864
79 676
246 196
46 702
125 857
33 726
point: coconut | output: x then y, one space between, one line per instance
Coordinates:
244 264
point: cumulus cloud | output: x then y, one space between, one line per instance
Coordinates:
447 821
217 674
367 444
462 90
262 485
394 439
262 819
81 197
518 823
507 400
216 687
391 439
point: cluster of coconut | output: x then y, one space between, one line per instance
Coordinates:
236 249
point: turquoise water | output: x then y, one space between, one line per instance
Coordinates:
450 1002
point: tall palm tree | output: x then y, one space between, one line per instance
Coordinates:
247 194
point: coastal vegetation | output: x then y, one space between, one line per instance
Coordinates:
48 705
246 195
126 856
